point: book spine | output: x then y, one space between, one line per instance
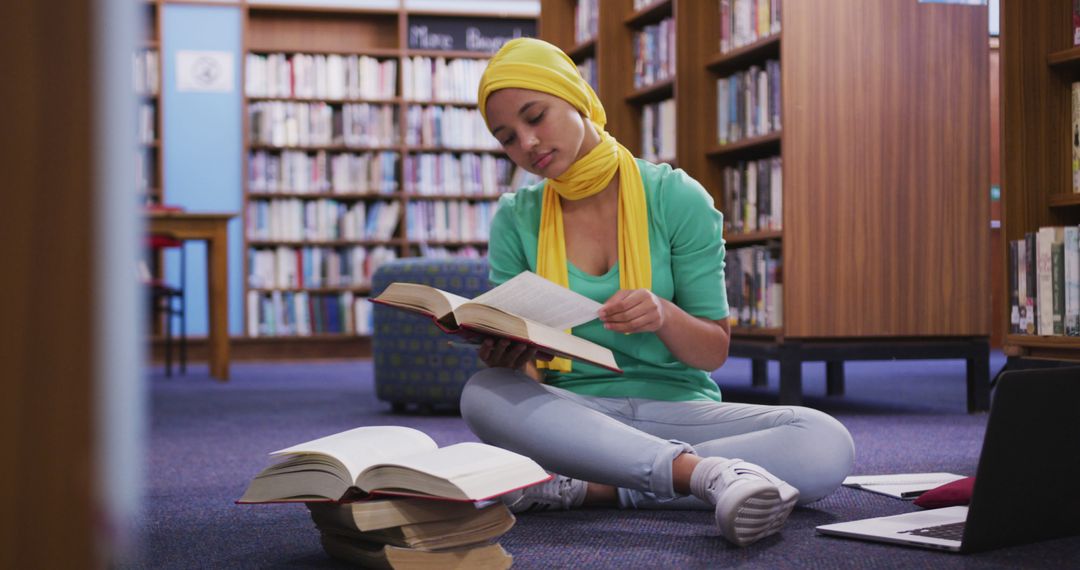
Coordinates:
1014 299
1044 241
1075 138
1058 274
1072 281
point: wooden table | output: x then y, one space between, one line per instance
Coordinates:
213 229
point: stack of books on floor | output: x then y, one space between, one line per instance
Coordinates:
389 497
414 533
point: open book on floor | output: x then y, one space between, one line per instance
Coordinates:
901 485
387 512
482 525
527 308
372 555
390 460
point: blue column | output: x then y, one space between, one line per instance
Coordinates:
203 147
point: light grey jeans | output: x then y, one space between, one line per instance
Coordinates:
631 442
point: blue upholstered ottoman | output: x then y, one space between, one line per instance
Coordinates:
413 364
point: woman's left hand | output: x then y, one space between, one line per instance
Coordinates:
633 311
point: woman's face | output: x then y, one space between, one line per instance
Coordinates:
541 133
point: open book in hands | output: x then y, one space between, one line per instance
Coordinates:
390 460
527 308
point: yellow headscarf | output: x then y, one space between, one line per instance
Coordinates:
527 63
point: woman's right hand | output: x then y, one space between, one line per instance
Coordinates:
504 353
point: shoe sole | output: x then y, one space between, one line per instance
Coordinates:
759 510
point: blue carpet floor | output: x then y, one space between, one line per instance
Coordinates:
207 439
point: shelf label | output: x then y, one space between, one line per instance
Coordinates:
479 35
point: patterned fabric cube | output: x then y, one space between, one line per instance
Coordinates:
413 363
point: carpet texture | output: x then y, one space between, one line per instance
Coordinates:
207 439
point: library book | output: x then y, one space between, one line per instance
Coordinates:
390 461
526 308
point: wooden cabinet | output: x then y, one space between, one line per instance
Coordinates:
883 245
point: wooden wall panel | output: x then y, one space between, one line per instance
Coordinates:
46 297
337 32
1036 115
885 169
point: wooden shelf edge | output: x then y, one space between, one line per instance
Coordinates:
764 142
385 53
395 242
1063 200
321 196
582 50
649 14
329 9
1042 347
749 333
1064 58
448 54
753 237
761 49
361 289
394 101
652 93
330 147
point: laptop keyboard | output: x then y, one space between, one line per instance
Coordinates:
951 531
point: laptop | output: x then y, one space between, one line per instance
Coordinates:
1027 486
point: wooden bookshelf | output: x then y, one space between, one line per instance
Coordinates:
884 240
1038 66
383 34
150 154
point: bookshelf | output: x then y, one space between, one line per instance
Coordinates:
146 77
882 242
1038 65
367 147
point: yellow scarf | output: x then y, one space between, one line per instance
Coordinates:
527 63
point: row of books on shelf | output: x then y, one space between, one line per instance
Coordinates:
755 290
145 169
1044 282
293 124
753 196
319 76
586 20
748 103
146 123
743 22
322 172
587 69
1075 138
654 53
437 79
449 220
447 126
390 497
439 174
286 267
146 72
300 313
321 220
658 131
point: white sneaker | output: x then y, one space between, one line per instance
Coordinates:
751 503
559 493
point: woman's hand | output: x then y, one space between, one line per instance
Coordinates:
504 353
633 311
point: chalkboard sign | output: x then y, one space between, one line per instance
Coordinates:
479 35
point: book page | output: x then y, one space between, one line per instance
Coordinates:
359 448
537 299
